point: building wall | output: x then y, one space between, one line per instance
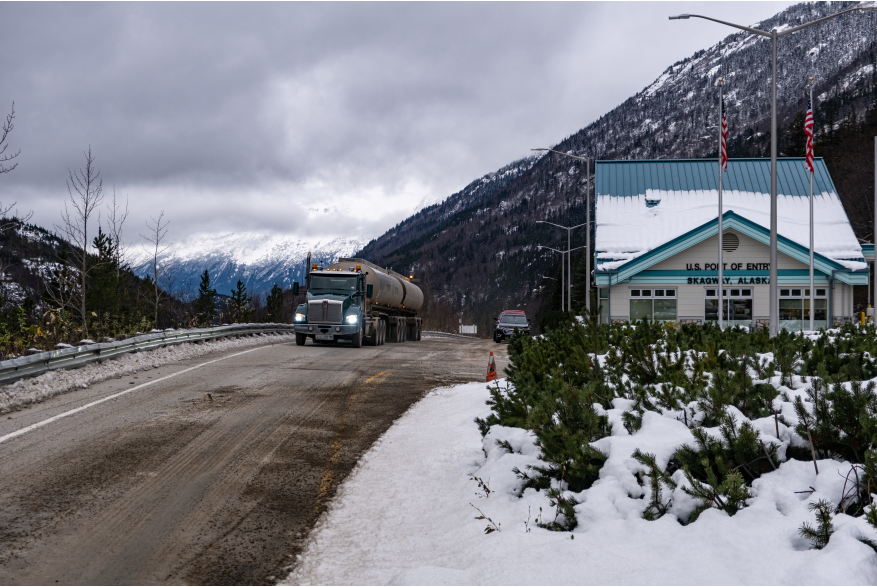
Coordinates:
691 297
749 251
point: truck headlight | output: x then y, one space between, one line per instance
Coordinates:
352 319
299 317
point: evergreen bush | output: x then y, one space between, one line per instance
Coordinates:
559 384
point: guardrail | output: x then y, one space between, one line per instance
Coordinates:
436 333
79 356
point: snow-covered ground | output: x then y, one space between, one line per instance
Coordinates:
406 515
27 391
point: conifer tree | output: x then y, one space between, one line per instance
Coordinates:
580 288
104 296
205 304
240 303
657 478
274 304
821 533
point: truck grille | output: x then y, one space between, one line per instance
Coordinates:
324 312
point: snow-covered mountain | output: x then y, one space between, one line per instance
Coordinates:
675 116
259 260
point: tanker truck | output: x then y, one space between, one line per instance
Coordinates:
358 301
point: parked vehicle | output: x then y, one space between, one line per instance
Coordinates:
508 322
358 301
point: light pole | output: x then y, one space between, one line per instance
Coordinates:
811 109
566 252
587 222
773 35
568 230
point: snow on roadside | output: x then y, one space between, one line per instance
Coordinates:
403 516
35 389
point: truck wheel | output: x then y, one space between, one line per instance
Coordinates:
382 337
300 339
357 339
403 332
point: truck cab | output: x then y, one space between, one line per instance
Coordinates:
358 301
335 307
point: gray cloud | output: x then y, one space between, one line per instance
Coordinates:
246 116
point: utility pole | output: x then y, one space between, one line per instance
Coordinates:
812 291
721 289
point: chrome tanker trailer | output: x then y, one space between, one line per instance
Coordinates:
358 301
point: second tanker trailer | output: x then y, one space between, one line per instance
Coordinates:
358 301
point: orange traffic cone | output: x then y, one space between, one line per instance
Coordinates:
491 369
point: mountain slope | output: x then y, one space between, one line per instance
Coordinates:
477 251
29 255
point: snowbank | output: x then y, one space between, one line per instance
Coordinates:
404 515
27 391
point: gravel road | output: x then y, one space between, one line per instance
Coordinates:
215 475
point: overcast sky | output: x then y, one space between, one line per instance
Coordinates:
315 120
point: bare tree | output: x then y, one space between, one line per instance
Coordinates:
117 219
5 158
157 248
5 167
85 188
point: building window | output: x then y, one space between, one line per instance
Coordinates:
737 303
603 303
654 305
794 310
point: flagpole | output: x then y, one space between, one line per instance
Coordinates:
812 291
721 273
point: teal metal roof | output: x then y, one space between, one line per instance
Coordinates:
633 178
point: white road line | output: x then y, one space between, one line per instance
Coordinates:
27 429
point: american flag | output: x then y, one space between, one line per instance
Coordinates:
808 130
724 147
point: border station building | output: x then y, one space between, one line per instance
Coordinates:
657 243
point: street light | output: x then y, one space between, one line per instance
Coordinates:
566 252
773 35
587 222
569 259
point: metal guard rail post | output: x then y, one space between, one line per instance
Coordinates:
72 358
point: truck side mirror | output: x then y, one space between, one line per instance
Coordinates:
295 288
369 290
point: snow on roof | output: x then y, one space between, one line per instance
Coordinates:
636 213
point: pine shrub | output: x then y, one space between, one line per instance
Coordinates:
560 383
820 534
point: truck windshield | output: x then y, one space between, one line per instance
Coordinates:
333 283
513 319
